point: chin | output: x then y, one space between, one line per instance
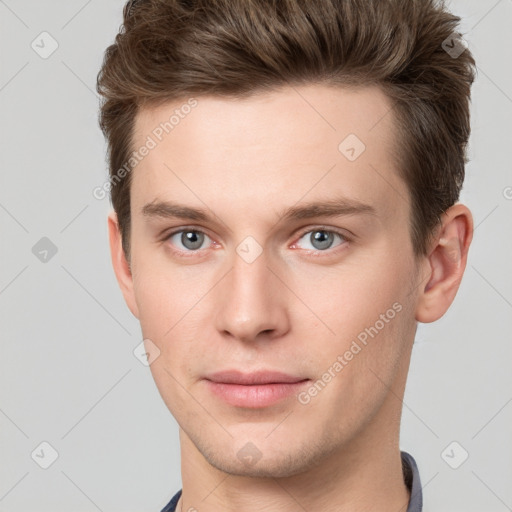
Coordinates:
267 460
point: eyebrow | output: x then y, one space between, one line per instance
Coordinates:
168 209
328 208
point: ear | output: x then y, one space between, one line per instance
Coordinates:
445 263
120 264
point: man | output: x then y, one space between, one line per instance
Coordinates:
285 177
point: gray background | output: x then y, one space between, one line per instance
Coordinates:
67 369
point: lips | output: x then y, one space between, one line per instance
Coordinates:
254 390
248 379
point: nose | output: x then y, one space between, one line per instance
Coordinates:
251 301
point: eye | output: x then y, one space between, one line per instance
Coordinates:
190 239
321 239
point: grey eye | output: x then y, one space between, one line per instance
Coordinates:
192 239
321 239
189 239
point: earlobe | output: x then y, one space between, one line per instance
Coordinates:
120 264
447 261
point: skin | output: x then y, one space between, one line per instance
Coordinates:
296 307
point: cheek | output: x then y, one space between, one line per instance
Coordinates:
153 300
173 312
368 310
164 294
347 299
371 318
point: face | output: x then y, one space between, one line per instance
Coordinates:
271 234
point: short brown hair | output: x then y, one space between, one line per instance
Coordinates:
170 49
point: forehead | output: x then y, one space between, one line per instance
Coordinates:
282 144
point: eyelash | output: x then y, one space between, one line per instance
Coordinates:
328 252
185 254
314 253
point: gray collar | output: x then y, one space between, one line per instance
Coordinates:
412 480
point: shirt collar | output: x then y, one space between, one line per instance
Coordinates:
413 482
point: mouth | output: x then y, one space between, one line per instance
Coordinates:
254 390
